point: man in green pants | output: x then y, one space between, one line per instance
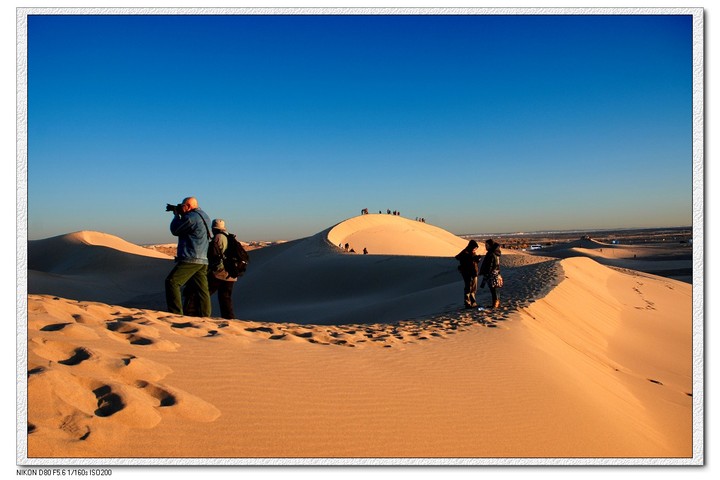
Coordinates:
191 225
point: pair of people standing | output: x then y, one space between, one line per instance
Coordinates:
470 268
197 269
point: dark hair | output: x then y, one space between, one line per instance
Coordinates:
472 244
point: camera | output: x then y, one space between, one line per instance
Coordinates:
173 208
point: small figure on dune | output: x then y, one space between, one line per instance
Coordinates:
490 269
469 260
365 251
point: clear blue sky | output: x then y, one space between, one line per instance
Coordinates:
286 125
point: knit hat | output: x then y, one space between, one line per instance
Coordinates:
218 224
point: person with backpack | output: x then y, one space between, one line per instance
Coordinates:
219 279
228 261
190 225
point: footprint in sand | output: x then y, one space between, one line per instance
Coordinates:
108 402
303 334
127 359
165 398
120 326
138 340
183 325
76 426
260 329
79 355
54 327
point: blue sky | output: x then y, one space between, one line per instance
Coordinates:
286 125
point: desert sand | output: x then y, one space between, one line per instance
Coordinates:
349 356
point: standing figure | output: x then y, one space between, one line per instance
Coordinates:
490 269
468 267
190 225
219 280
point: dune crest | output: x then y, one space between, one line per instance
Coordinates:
394 235
100 239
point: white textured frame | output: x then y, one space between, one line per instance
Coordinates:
698 177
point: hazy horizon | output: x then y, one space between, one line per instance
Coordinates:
285 125
173 240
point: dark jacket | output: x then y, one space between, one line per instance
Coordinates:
491 261
468 261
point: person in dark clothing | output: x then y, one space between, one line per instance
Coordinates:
490 269
468 267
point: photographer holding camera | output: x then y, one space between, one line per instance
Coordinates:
190 225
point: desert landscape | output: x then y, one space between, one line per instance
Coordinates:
339 355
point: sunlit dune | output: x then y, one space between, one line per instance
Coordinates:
339 355
394 235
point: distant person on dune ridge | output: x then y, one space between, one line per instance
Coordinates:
190 225
468 268
490 269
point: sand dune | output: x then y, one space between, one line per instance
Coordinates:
582 361
393 235
309 280
669 261
97 266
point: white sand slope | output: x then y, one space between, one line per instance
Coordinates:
581 360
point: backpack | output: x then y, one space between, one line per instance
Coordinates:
236 259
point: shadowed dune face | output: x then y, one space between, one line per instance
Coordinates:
306 281
97 266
